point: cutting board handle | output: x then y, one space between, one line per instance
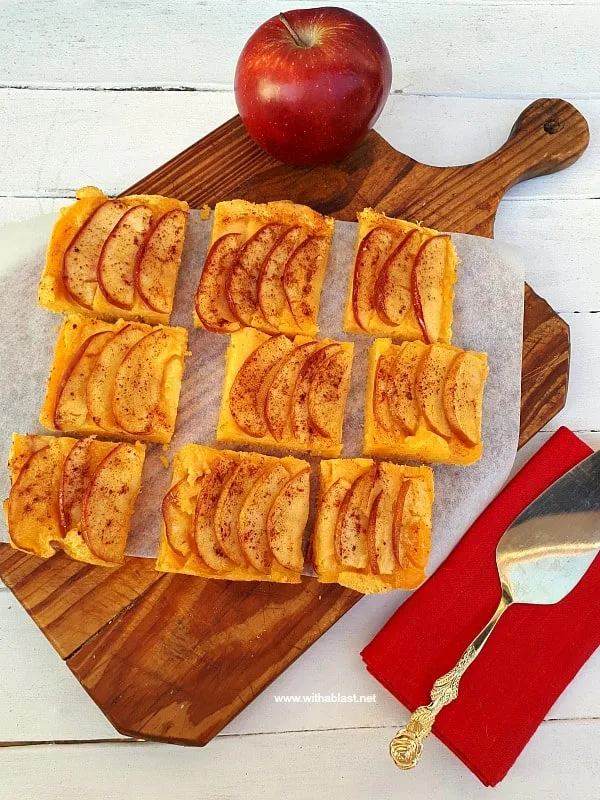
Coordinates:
549 135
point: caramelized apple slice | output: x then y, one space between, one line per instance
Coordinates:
242 287
383 387
32 508
278 400
430 380
287 520
328 509
403 401
271 295
210 487
77 471
119 255
428 285
212 306
158 262
370 257
379 536
463 397
392 292
178 520
412 509
327 394
70 410
350 535
80 262
300 414
299 284
252 530
251 382
109 501
230 502
100 384
138 401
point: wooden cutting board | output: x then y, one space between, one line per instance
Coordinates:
175 658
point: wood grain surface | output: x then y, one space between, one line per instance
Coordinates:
174 658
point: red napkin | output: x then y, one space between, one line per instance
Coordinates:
532 655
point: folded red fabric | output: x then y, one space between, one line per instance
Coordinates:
532 655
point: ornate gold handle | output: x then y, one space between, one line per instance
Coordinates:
407 745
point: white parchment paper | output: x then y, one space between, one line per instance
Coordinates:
488 316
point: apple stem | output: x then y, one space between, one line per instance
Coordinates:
293 33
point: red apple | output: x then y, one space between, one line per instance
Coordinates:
310 84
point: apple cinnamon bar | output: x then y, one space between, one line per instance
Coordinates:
285 394
402 281
264 269
121 379
75 495
424 402
115 257
373 526
235 516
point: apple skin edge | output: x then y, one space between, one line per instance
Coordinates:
310 84
418 308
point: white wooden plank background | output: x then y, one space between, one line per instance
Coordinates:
300 766
494 49
89 93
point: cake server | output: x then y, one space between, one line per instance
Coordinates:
540 558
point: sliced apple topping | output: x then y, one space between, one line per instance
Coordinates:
383 388
379 535
300 286
350 536
70 410
328 510
76 474
138 401
242 289
212 305
287 520
32 508
177 515
300 410
271 295
100 384
252 530
251 381
120 254
392 292
403 401
463 397
428 285
108 504
278 400
411 513
158 262
370 257
80 262
210 486
430 380
328 389
230 502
